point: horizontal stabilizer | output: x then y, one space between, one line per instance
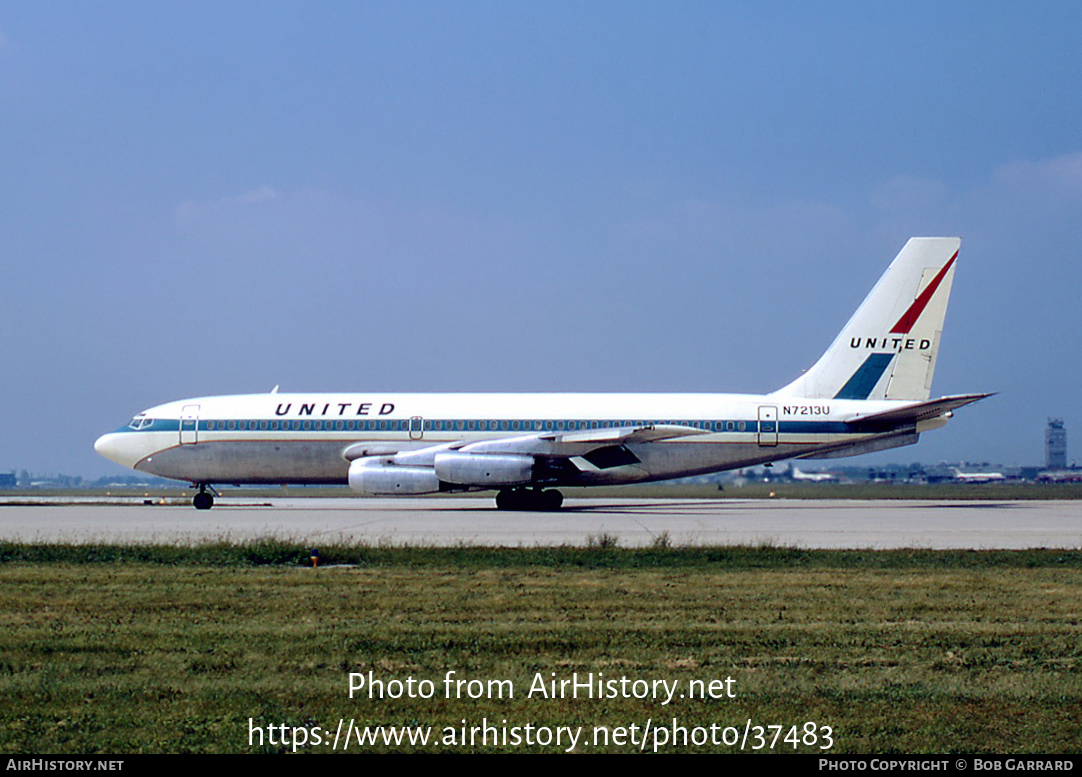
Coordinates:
921 411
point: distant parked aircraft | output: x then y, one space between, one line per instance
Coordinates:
977 477
811 477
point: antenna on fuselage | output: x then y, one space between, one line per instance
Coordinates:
274 390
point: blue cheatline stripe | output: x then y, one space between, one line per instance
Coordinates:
813 427
451 426
864 379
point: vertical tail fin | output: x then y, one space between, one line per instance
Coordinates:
888 349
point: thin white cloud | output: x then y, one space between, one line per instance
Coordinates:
262 194
190 209
1062 171
908 194
1024 196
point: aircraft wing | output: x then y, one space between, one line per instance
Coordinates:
548 444
579 443
592 448
622 434
604 448
915 413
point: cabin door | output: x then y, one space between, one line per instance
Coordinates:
189 425
768 425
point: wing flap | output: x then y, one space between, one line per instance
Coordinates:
624 434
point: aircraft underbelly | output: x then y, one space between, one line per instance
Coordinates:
251 461
671 460
321 462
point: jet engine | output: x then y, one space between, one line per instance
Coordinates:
373 476
488 470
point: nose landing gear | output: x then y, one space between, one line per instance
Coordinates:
204 500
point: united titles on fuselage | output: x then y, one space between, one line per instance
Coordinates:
311 408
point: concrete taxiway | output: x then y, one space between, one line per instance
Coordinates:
633 522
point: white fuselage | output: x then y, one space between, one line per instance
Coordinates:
312 438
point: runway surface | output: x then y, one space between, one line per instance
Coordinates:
634 522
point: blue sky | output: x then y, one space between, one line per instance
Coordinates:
205 198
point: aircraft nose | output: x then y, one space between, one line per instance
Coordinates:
112 446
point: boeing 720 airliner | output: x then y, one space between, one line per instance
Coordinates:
868 392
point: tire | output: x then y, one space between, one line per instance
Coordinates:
551 499
529 500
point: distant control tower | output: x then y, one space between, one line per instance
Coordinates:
1055 444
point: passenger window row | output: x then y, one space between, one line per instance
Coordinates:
457 426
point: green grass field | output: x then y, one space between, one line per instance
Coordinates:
111 649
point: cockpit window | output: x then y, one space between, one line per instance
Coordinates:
140 422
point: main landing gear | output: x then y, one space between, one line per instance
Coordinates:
204 500
529 499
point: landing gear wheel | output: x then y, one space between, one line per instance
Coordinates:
529 499
203 500
551 499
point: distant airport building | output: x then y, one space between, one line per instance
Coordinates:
1055 444
7 480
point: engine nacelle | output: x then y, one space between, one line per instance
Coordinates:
484 469
372 476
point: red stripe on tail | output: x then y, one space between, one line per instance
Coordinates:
905 323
